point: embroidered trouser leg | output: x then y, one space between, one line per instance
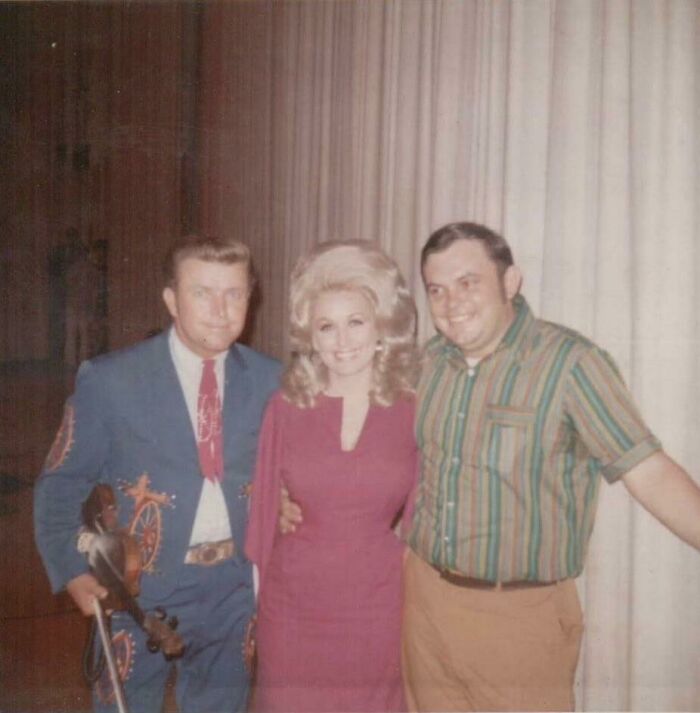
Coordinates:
213 605
477 649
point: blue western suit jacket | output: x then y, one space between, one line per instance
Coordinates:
127 425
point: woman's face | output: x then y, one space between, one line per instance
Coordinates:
344 333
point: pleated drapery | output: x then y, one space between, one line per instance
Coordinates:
570 125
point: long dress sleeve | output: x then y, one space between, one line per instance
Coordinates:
265 498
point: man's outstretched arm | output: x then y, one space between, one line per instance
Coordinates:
668 493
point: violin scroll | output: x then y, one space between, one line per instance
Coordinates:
160 634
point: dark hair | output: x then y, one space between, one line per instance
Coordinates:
495 245
209 249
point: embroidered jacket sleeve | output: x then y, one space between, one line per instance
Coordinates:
73 466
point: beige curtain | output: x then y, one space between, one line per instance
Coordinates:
572 126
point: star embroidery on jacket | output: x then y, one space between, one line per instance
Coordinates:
141 493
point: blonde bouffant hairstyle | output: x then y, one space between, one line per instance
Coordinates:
355 266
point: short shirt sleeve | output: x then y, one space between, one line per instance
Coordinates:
605 417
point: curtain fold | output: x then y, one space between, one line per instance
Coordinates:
571 126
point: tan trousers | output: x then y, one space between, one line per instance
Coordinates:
470 649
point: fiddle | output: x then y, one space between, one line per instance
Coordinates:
114 557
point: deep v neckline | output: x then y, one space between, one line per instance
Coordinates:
337 403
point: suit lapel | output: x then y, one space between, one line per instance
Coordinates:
169 415
236 396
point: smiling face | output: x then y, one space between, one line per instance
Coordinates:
208 303
344 333
469 301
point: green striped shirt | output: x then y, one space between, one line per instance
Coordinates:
512 450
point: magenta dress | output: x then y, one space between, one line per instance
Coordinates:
329 610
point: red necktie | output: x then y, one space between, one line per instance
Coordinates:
211 459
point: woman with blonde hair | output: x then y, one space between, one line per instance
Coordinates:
339 437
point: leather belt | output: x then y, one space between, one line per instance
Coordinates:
473 583
210 553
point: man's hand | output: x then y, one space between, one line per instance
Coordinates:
84 589
290 514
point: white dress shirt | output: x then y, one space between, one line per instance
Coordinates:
211 523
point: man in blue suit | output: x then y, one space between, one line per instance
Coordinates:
172 425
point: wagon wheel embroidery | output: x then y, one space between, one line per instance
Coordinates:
147 527
147 522
123 647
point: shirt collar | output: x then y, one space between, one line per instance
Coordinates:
186 357
519 333
517 336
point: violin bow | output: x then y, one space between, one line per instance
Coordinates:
109 655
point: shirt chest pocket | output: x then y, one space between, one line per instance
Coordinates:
508 443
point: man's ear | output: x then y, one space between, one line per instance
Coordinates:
512 280
170 301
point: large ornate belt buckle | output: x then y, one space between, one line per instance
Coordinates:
211 553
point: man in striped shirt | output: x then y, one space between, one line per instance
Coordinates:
516 420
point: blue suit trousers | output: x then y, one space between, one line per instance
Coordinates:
214 606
